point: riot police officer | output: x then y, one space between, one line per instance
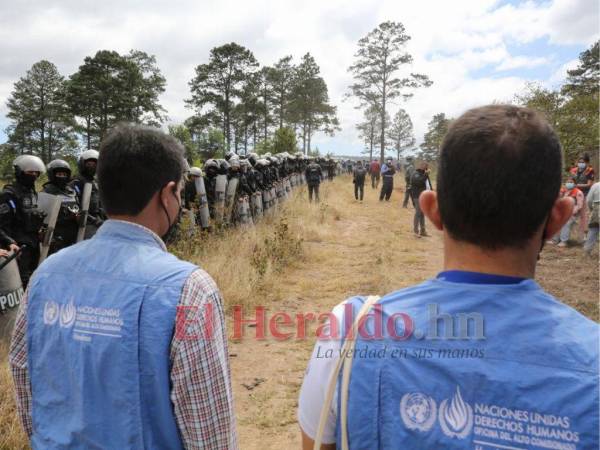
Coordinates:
211 170
67 223
86 166
313 179
20 219
190 187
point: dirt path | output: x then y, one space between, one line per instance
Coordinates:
363 248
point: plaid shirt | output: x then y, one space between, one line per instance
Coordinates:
200 376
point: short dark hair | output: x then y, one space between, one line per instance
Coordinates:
499 175
134 163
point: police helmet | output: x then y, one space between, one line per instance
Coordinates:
196 171
28 163
58 165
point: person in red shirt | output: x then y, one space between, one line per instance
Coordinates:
570 190
375 170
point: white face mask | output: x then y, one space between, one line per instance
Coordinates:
582 165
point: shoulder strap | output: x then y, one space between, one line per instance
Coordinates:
346 354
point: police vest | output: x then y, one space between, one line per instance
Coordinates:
474 367
101 316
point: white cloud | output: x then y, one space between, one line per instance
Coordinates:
462 45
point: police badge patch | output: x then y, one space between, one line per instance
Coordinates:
418 411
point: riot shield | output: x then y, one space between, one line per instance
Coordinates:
230 198
273 197
85 204
265 200
220 189
203 212
256 206
243 211
11 294
49 204
280 192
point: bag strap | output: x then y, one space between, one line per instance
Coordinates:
345 354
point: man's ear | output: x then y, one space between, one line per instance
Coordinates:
559 215
429 206
166 193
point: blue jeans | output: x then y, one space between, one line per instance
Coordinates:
565 231
591 240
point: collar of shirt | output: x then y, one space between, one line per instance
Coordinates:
131 231
462 276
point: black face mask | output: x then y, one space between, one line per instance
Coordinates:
169 236
26 179
61 183
89 172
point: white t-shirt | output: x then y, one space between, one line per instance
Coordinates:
316 381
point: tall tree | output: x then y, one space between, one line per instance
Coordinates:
583 80
144 85
369 129
219 82
265 101
436 130
309 106
40 120
379 58
400 132
109 88
281 81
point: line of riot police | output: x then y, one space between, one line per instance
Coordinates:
239 190
35 224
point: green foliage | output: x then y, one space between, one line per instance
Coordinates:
212 144
284 141
41 122
264 146
7 156
583 80
280 79
109 88
277 250
432 142
183 135
220 82
309 106
573 110
370 129
380 56
400 133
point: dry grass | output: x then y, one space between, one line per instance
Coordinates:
12 436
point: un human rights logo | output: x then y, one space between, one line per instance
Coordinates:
418 411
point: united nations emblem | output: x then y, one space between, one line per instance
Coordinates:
50 312
418 411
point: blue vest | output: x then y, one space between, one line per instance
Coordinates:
101 316
526 379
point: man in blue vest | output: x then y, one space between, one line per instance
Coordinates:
119 344
479 357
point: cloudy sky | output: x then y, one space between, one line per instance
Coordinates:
475 51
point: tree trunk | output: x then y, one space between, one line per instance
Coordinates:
227 124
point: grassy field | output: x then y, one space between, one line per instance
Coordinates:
307 258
